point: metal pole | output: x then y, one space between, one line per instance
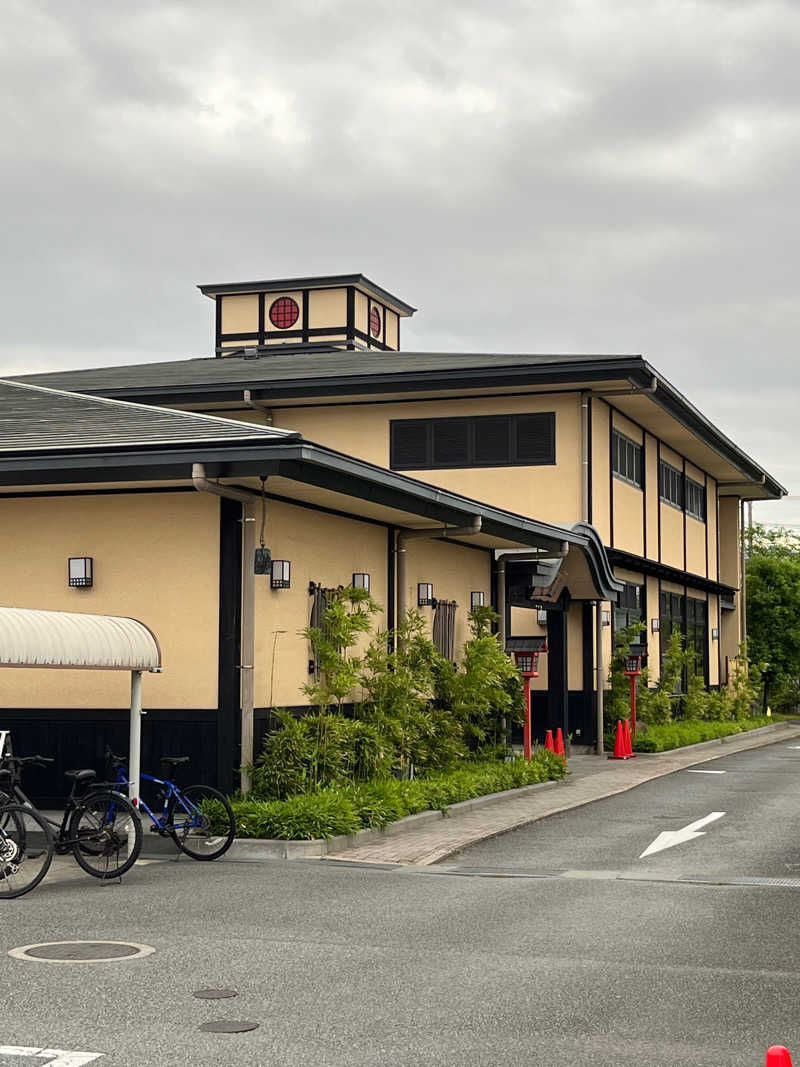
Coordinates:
401 554
743 582
135 748
633 705
598 655
248 649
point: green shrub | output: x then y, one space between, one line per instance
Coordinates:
677 734
348 808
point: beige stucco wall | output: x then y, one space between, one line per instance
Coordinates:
327 307
653 639
628 517
156 559
322 548
651 493
360 310
711 528
601 463
671 535
695 546
392 329
729 541
713 646
551 493
239 313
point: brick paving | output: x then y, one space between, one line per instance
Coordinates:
590 778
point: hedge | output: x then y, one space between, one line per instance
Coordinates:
677 734
346 810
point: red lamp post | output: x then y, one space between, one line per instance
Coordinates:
633 669
527 661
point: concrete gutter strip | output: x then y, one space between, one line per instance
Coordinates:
422 841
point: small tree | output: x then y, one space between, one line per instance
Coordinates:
617 701
348 615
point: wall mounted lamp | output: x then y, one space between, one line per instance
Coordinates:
80 571
477 599
541 616
281 574
361 581
715 633
655 626
424 594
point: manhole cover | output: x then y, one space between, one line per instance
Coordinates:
81 951
215 994
228 1026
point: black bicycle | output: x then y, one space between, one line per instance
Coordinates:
26 846
100 827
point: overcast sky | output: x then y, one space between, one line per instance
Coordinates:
539 176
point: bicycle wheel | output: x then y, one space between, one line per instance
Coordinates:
201 822
26 850
106 834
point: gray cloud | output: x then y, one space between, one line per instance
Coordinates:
590 175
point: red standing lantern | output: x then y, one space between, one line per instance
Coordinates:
527 661
633 668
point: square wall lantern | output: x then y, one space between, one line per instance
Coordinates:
361 581
715 633
655 626
80 571
281 574
424 594
541 616
477 599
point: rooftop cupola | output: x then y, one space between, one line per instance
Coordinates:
339 311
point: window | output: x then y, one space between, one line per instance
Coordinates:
626 459
671 485
284 313
689 617
629 608
480 441
695 500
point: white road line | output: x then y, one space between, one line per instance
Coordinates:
705 772
669 838
794 746
55 1057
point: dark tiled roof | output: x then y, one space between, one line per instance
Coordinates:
291 364
38 419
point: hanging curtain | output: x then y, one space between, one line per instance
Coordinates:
444 627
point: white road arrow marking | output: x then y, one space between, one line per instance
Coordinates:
669 838
705 772
56 1057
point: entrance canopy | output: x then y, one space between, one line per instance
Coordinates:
31 638
65 639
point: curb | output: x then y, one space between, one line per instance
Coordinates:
249 850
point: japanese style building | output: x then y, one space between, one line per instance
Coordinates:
576 493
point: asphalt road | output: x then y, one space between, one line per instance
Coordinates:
553 944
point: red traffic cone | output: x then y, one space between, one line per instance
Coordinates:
619 744
627 736
548 741
560 743
778 1056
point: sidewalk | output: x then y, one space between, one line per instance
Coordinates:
590 778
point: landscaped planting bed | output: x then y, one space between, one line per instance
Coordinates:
348 809
677 734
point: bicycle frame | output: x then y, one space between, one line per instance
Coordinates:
171 790
61 839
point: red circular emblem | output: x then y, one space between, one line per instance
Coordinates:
284 313
375 322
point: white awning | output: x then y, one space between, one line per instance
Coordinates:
31 638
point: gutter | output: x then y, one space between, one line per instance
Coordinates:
247 633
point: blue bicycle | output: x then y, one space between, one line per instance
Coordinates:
199 819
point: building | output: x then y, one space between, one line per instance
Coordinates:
579 490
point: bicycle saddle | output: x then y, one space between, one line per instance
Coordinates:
81 776
175 761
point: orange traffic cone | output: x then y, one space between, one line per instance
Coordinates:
778 1056
560 743
628 742
548 741
619 743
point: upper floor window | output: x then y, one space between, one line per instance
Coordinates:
695 500
671 485
477 441
626 459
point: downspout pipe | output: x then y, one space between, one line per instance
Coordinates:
430 534
248 627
